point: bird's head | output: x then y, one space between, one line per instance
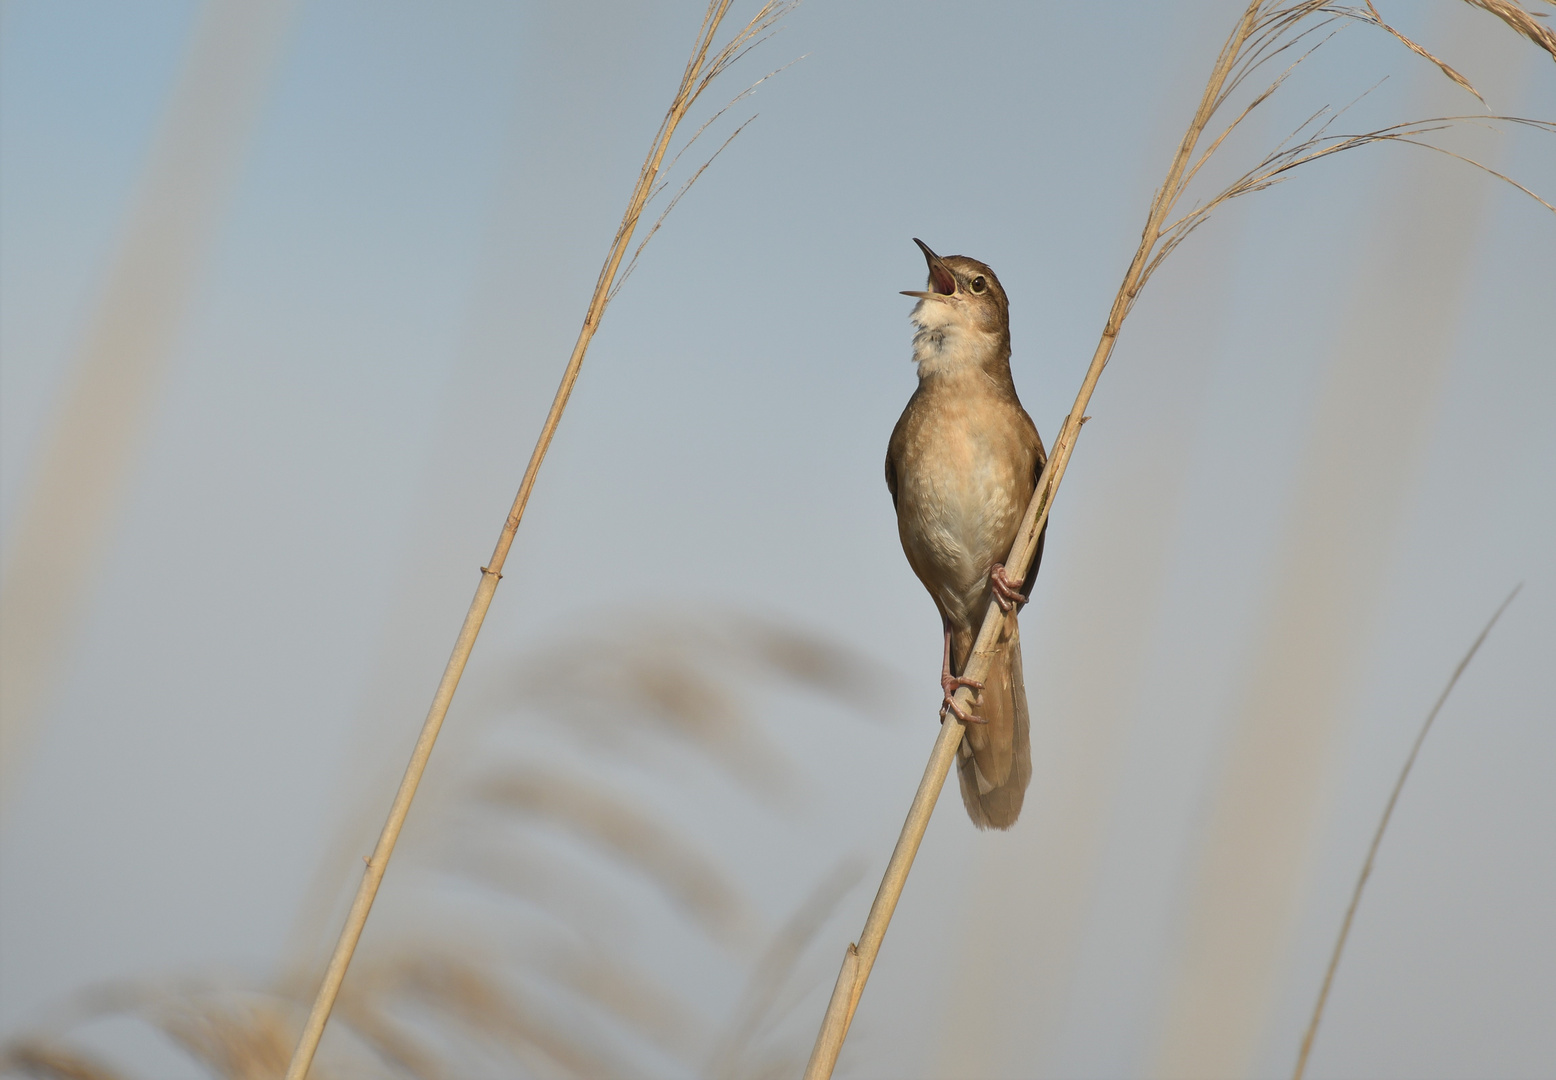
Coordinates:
963 316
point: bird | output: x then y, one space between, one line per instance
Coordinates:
961 467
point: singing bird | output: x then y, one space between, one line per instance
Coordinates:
961 467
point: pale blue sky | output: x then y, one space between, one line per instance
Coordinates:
378 328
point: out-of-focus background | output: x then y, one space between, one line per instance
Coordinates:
285 290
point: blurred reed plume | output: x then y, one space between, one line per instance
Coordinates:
562 825
1267 34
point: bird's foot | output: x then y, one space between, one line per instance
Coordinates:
949 684
1005 594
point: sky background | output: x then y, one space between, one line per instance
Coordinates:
1322 455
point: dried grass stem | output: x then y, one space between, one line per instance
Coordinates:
860 958
1265 31
702 68
1377 839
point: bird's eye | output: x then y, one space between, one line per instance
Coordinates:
978 284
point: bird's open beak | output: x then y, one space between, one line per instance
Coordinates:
941 281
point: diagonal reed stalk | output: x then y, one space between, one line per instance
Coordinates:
1377 839
861 957
1264 32
705 65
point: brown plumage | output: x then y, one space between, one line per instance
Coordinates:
961 466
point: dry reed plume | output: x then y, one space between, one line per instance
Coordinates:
1266 33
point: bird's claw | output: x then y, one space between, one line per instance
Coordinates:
949 684
1005 594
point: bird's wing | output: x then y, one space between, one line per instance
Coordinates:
1037 560
1037 556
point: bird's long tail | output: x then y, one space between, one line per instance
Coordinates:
995 759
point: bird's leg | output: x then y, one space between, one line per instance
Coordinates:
1005 594
950 683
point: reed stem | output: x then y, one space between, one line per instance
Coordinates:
1377 840
860 958
700 70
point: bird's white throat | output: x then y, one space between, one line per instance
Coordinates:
946 342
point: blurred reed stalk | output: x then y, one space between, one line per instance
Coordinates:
86 458
1264 32
1377 839
702 68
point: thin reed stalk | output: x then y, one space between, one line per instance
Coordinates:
860 958
1263 33
704 65
1377 839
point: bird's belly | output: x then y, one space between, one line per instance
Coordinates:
958 515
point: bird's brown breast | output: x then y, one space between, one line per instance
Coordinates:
962 463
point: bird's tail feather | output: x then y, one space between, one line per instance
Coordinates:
995 759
